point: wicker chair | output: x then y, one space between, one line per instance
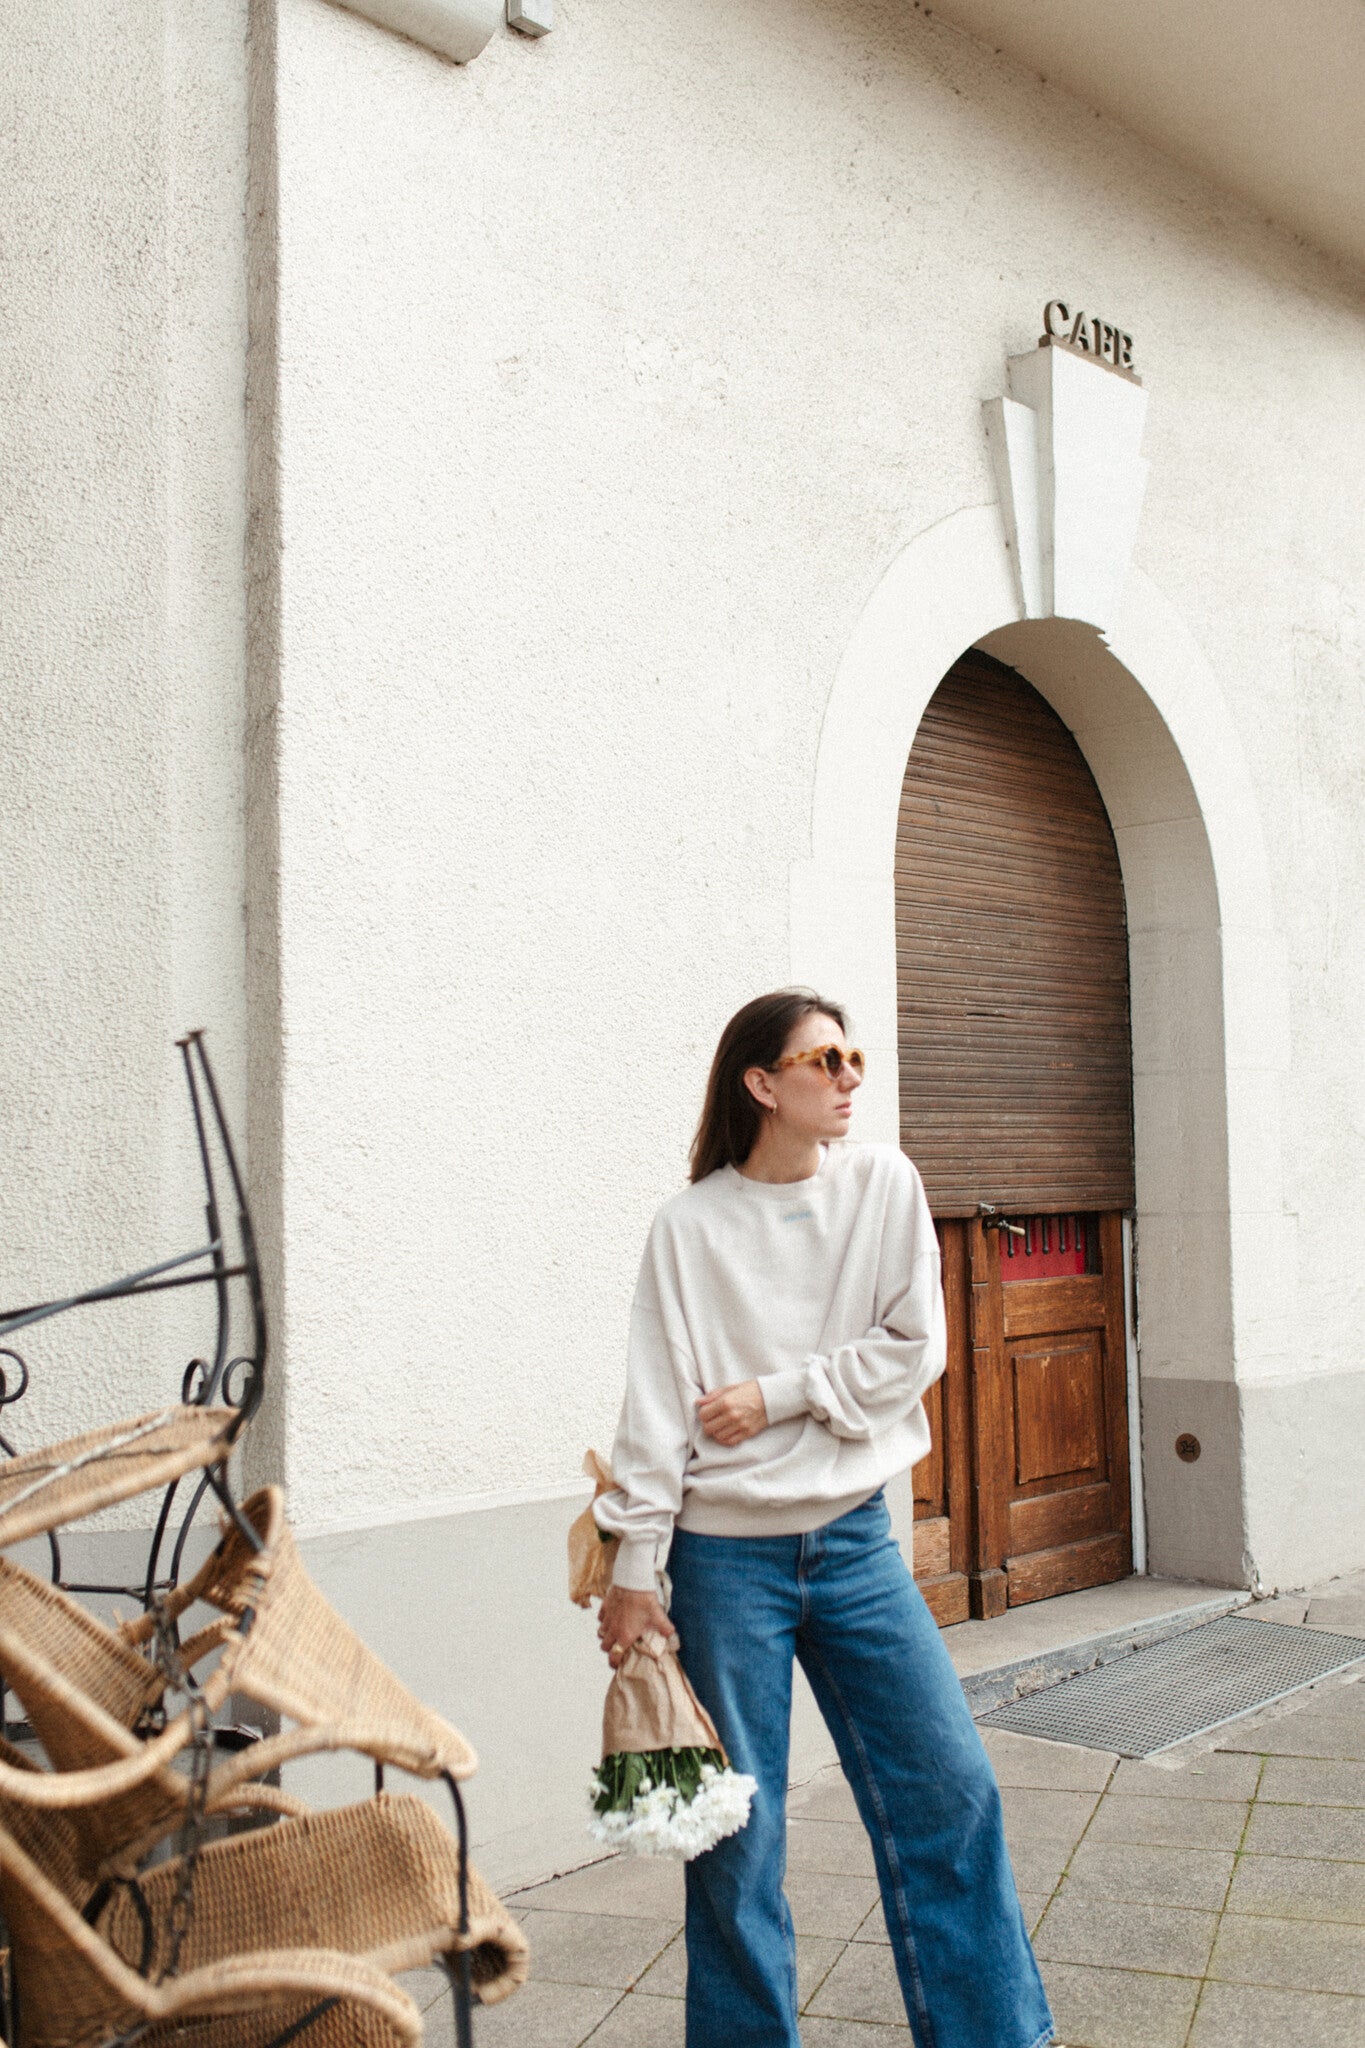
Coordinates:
87 1689
287 1649
112 1796
98 1704
280 1915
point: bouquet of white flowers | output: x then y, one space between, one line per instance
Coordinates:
665 1786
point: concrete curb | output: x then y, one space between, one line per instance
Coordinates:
987 1690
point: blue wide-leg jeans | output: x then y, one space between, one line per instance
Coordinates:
841 1599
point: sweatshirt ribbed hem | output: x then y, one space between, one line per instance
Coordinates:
737 1518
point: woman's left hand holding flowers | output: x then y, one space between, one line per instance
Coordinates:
733 1414
625 1616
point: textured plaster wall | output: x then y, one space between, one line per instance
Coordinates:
122 169
613 370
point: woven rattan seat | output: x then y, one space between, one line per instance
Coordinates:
379 1879
375 1884
291 1652
64 1482
75 1989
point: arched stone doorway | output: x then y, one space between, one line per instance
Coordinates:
1209 1011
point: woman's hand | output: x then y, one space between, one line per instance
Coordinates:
734 1414
626 1616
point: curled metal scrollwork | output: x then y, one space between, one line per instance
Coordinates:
196 1383
6 1397
202 1384
18 1394
247 1393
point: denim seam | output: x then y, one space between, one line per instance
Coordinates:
888 1846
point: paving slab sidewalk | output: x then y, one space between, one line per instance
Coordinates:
1213 1897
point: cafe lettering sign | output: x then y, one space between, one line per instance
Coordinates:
1088 335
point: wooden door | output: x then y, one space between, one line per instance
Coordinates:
1016 1105
1049 1387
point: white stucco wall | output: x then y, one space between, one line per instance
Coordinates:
596 390
613 372
121 369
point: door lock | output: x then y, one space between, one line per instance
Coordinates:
991 1219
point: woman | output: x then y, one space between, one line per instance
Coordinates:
787 1323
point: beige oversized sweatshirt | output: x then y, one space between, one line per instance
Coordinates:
827 1292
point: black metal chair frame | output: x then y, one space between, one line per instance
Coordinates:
202 1383
238 1382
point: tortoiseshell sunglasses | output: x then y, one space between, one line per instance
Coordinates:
831 1057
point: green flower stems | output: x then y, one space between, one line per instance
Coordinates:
621 1776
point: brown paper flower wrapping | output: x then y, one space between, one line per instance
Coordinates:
665 1786
591 1555
651 1705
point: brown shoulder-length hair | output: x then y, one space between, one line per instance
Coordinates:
755 1036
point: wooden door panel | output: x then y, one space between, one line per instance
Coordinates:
1059 1421
992 1429
933 1548
1072 1517
1069 1568
931 1473
1032 1308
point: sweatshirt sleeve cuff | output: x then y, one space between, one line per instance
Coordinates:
634 1570
784 1393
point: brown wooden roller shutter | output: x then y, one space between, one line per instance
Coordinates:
1012 958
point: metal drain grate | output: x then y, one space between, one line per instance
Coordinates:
1172 1690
